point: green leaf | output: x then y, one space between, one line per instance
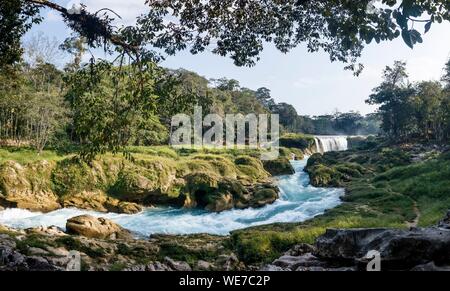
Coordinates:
406 35
427 26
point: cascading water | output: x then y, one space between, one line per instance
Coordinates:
331 143
298 201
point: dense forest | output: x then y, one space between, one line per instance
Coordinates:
45 106
419 111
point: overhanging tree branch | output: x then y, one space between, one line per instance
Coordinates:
90 24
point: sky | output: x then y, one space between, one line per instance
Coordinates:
308 81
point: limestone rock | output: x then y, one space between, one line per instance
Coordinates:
228 262
431 267
273 268
102 228
99 201
27 187
294 262
445 222
49 231
204 266
399 249
176 265
280 166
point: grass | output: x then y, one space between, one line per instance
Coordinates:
27 155
383 190
375 198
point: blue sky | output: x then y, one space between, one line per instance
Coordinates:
308 81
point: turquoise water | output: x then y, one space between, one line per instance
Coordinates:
298 202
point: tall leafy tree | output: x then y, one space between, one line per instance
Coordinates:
393 96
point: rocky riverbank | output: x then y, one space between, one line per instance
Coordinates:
215 182
102 245
416 249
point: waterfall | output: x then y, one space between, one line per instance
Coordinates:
331 143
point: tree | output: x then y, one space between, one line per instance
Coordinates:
394 97
108 114
427 104
288 116
76 46
239 28
264 97
235 28
225 84
348 123
446 76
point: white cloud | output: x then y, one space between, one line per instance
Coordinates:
127 9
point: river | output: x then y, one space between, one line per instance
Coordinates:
298 202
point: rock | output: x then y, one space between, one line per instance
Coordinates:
399 249
150 182
218 194
431 267
102 228
300 249
294 262
273 268
280 166
49 231
263 195
158 266
101 202
35 263
59 252
136 268
1 208
176 265
228 262
11 259
27 187
128 208
204 266
445 222
37 251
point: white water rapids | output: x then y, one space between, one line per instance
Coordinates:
298 202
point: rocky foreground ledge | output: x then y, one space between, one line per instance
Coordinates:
105 246
417 249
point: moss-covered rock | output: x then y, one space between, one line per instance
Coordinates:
290 153
296 140
280 166
27 187
325 171
99 201
216 194
115 184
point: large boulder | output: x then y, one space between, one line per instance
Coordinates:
399 249
27 187
280 166
218 194
92 227
149 182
